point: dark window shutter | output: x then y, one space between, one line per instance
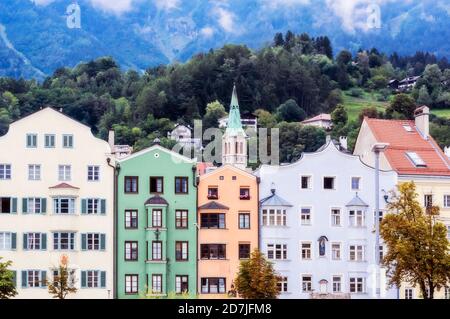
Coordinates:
24 205
43 279
24 279
102 241
13 241
103 279
43 241
14 205
84 206
43 205
103 206
25 241
83 241
83 279
14 277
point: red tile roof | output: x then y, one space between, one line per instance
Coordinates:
320 117
63 185
401 141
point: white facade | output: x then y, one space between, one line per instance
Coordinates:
182 134
56 198
303 215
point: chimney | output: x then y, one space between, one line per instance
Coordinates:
343 142
111 139
447 151
422 116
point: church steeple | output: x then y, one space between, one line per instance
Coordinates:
234 141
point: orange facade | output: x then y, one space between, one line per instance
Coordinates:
228 227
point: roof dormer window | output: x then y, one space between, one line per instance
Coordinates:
416 159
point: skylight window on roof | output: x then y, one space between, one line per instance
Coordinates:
407 127
416 159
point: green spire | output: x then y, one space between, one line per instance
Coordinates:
234 118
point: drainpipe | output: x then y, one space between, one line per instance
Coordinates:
116 170
195 181
258 181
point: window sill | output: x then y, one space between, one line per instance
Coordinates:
156 228
150 261
211 259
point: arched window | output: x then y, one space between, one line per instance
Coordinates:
237 148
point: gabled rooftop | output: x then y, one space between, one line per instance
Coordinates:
275 200
214 205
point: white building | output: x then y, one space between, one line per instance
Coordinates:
56 198
317 224
321 120
182 134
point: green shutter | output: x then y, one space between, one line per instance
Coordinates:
14 277
43 279
43 205
24 279
43 241
13 241
25 241
103 279
83 279
103 206
83 241
83 206
24 205
102 241
14 205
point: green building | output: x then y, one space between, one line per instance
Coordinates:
156 224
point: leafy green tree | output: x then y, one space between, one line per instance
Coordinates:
339 115
265 118
62 283
424 98
7 284
289 111
402 104
257 278
214 112
417 244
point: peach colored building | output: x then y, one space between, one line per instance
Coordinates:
228 227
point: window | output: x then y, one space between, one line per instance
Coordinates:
92 206
93 173
306 283
428 201
448 231
64 206
328 183
306 250
156 250
131 250
64 173
181 284
7 241
8 205
357 284
244 251
93 241
131 184
181 219
244 221
446 198
5 171
212 221
380 217
306 182
34 205
305 216
64 241
131 284
93 279
277 251
34 172
381 250
34 241
244 193
337 284
181 185
31 140
157 284
49 140
408 293
213 193
131 219
416 159
335 217
181 251
67 141
213 251
356 183
156 218
272 217
336 251
356 218
33 278
213 285
447 293
356 252
71 277
156 185
282 284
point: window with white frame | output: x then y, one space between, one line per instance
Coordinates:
34 205
5 241
131 250
157 284
428 200
381 251
357 284
409 293
34 278
446 197
336 251
34 241
329 183
64 173
93 206
356 252
49 140
181 284
5 171
282 284
64 205
337 284
131 219
356 183
305 182
277 251
34 172
448 231
335 217
64 241
305 216
306 251
93 241
131 284
306 283
93 280
67 141
31 140
274 217
93 173
356 218
156 250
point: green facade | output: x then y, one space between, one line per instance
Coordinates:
157 162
